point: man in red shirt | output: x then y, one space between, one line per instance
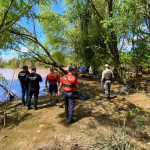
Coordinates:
69 83
52 78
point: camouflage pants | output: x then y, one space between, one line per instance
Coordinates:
107 87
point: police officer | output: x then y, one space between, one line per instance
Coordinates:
24 86
33 80
52 78
107 77
69 83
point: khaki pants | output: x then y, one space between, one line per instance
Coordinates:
107 87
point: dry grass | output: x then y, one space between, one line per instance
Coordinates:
47 128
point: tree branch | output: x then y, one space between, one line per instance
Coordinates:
5 14
96 10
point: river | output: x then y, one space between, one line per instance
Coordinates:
15 87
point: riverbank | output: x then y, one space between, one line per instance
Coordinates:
47 128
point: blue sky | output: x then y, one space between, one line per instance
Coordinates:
59 8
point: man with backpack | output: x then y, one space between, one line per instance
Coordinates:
69 84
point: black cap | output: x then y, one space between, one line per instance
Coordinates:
70 69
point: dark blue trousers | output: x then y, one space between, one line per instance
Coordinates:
24 90
69 104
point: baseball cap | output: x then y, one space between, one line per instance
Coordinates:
70 69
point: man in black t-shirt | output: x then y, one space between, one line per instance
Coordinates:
33 80
24 87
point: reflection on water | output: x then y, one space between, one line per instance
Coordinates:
15 87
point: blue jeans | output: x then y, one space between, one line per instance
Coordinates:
24 90
69 103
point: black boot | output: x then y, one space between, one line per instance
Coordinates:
35 108
28 108
57 101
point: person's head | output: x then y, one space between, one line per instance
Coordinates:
71 64
71 70
51 70
107 66
33 69
25 68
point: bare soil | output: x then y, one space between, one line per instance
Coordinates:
47 128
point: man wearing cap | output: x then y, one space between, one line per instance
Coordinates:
24 85
33 80
107 77
52 78
69 83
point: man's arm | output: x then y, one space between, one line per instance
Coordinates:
27 79
103 77
19 77
19 80
58 79
77 85
40 78
60 86
46 83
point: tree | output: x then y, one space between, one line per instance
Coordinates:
17 35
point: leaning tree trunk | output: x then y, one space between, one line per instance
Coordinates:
112 45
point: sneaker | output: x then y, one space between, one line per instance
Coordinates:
50 102
23 105
57 101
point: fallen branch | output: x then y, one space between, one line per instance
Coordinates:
10 93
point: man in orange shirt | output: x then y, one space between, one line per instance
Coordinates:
69 83
52 78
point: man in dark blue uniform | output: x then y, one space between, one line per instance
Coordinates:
33 80
69 83
24 85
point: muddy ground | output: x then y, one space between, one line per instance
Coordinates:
47 127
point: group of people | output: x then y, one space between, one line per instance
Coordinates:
30 85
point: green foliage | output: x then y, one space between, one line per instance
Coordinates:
140 118
3 81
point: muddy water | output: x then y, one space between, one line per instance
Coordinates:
116 88
8 73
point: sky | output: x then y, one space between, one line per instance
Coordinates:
59 8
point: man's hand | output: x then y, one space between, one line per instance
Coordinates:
59 93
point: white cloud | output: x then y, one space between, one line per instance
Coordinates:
24 49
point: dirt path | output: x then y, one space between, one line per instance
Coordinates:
47 128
